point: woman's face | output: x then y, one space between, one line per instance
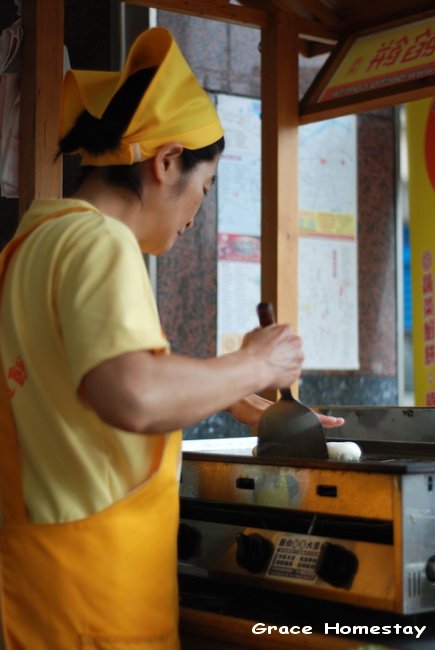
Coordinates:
174 208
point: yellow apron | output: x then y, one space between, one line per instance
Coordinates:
106 582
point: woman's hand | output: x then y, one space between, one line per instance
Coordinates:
330 421
249 409
280 352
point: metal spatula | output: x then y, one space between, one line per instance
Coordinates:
288 428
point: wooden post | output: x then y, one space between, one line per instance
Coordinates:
41 81
280 103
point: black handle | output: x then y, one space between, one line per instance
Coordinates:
266 316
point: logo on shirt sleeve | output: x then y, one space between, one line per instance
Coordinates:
18 375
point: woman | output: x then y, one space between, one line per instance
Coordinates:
93 403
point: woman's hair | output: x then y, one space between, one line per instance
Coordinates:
192 157
100 135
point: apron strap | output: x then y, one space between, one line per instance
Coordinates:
13 508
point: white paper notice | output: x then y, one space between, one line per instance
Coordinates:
239 221
327 164
328 297
239 185
327 310
238 289
328 274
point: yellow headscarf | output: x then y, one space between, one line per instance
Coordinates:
174 107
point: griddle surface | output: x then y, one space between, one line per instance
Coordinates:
369 463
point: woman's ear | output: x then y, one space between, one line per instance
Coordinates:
167 163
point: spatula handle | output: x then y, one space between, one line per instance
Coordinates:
266 316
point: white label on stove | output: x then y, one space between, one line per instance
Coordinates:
295 558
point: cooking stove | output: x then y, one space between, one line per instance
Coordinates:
358 533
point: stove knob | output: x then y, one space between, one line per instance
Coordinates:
253 552
337 565
189 542
430 569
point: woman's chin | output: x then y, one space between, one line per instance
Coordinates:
161 250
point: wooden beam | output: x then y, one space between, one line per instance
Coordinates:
400 94
407 18
313 7
308 49
216 10
254 15
311 30
279 240
385 12
41 80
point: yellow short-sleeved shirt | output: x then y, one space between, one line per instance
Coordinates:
76 293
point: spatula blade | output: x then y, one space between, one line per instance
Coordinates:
288 428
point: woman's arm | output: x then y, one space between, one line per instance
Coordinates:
144 392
